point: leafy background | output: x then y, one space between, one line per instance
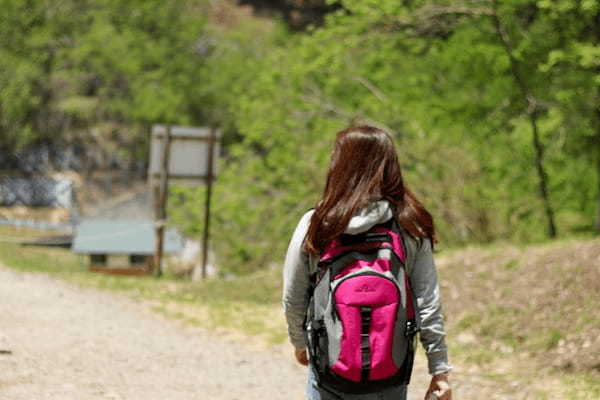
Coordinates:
494 105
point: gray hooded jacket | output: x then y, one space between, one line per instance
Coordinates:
299 266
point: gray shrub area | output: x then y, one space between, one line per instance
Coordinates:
36 192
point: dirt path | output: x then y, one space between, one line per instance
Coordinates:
72 343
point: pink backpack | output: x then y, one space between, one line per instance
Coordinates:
362 319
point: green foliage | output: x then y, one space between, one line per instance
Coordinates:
448 95
96 67
456 83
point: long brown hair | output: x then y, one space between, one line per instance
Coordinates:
364 168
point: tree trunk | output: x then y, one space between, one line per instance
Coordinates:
597 144
597 141
532 109
542 174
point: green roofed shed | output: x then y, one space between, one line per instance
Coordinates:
102 239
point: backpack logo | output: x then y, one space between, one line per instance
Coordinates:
364 288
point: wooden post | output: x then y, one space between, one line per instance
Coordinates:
209 182
161 197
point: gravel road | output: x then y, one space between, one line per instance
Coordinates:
59 341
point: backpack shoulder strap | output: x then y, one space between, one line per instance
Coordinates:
411 246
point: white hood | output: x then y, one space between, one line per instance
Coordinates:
376 213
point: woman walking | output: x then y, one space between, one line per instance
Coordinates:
360 281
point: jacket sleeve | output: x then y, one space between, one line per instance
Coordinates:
296 275
425 286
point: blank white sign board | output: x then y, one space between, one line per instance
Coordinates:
188 159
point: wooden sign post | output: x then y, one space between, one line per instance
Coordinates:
209 183
186 156
161 197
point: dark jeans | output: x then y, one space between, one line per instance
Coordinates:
315 393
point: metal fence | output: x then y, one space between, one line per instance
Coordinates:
41 225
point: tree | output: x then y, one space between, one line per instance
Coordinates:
89 69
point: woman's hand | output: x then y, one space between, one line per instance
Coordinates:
439 388
301 356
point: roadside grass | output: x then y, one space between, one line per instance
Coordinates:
535 308
248 305
523 317
582 386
